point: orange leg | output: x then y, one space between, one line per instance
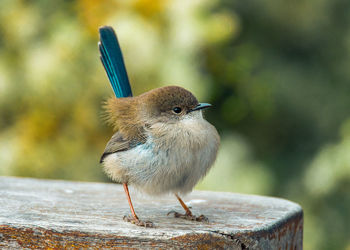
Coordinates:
126 189
134 220
188 215
188 211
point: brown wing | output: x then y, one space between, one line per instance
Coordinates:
115 144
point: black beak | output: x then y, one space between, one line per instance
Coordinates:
200 106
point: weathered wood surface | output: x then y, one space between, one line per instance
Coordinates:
61 214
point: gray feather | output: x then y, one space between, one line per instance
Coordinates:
117 144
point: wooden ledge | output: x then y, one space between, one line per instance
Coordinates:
56 214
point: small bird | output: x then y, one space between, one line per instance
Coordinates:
162 144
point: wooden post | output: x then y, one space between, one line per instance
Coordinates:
62 214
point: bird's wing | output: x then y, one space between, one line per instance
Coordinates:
116 144
112 60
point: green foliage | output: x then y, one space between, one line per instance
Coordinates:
277 73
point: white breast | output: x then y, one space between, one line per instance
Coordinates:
173 159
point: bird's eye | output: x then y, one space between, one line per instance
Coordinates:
177 110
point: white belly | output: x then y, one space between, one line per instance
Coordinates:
173 159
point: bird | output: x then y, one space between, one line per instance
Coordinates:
162 143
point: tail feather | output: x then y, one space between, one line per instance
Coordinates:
112 60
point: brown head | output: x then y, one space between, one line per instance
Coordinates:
167 104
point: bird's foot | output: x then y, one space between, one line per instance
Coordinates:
138 222
190 216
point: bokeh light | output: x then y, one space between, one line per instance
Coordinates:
277 74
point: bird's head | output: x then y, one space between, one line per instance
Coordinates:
169 104
166 105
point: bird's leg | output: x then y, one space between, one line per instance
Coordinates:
188 211
188 215
134 219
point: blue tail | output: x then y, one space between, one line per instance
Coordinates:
112 60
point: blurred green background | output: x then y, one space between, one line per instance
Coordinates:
277 72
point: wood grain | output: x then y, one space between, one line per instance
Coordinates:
59 214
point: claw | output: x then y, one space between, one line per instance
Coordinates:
200 218
138 222
171 212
